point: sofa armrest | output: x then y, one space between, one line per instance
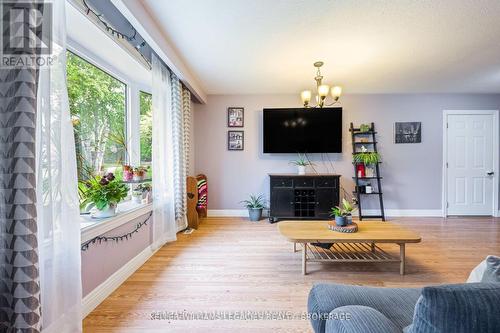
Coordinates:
358 318
397 304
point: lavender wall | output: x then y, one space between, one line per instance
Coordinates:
100 261
412 171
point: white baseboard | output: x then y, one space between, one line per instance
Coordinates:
405 212
388 212
99 294
227 212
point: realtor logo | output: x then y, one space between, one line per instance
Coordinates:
26 33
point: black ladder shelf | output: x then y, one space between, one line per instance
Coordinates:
370 134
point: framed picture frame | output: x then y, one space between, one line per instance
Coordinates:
235 140
408 132
235 116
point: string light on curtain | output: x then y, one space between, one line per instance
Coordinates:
322 91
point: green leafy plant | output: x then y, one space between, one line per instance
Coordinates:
301 160
367 157
345 210
364 128
255 202
102 191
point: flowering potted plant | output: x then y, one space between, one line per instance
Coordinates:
140 173
141 192
128 173
104 194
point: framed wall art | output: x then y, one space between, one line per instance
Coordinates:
235 117
408 132
235 140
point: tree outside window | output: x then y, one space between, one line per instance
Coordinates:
146 129
97 103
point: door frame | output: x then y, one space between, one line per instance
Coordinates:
496 147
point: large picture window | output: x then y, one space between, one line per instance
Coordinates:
98 107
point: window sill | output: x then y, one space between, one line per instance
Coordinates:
127 211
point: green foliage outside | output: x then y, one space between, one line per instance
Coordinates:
97 104
146 127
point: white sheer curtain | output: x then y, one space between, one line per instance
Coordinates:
57 193
164 225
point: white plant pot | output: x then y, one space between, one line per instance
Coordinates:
137 198
110 211
369 171
301 169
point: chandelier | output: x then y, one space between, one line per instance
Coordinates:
322 91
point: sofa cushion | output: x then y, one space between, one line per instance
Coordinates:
358 318
397 304
460 308
492 271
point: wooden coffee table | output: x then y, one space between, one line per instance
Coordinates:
360 246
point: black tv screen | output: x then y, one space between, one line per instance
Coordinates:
303 130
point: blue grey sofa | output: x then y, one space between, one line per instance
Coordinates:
461 308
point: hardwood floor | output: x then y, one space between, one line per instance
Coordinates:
230 264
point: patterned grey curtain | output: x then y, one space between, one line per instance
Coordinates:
186 115
19 270
180 200
19 275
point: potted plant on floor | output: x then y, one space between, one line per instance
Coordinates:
301 162
103 194
342 214
255 204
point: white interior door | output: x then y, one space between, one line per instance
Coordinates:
470 164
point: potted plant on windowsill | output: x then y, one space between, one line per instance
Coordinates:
302 162
255 204
102 194
342 214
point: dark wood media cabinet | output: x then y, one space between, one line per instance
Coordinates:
309 196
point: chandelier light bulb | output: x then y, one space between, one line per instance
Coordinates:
336 92
305 96
323 90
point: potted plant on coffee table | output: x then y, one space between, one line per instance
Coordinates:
301 162
255 204
103 194
341 214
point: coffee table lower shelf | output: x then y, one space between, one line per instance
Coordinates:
349 252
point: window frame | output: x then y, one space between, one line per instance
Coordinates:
132 99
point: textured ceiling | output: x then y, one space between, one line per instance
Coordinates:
269 46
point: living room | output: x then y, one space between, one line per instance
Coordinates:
232 166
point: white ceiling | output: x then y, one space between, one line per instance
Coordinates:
269 46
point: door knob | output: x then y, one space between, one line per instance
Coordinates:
491 173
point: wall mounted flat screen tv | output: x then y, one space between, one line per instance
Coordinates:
301 130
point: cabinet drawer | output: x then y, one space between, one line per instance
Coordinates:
281 182
304 182
326 182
